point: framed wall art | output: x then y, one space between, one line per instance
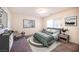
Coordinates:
71 21
28 23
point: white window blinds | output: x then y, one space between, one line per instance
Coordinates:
53 24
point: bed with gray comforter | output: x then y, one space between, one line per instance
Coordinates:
46 38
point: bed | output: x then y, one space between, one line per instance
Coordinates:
46 37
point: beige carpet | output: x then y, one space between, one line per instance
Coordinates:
43 49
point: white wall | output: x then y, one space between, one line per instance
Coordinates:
17 24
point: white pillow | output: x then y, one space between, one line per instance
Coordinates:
48 30
53 30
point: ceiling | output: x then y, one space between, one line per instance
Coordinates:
31 11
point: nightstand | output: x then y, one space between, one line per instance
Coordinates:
64 37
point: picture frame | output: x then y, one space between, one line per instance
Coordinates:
71 21
28 23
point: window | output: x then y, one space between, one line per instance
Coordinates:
50 23
53 24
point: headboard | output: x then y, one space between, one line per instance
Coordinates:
59 29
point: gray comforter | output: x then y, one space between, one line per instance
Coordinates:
43 38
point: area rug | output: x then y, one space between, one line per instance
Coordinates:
43 49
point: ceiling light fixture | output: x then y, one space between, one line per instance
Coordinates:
42 11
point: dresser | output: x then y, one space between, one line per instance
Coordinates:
6 41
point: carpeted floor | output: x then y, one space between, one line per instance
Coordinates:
67 47
21 45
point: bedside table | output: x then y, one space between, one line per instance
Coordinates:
64 37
